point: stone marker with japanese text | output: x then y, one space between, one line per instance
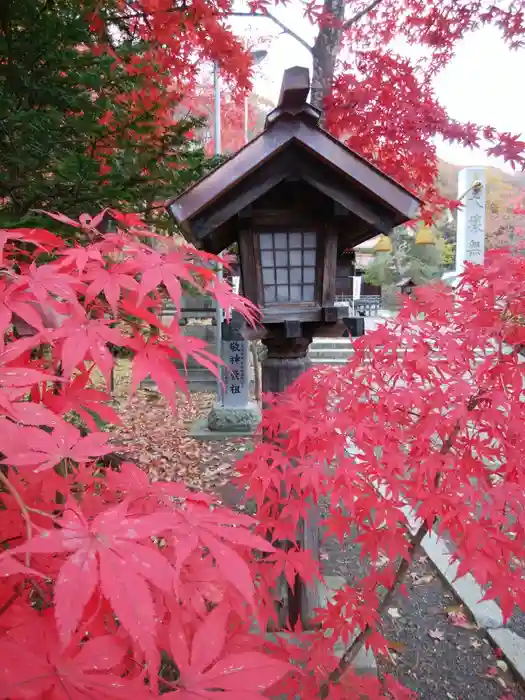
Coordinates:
234 412
470 237
235 389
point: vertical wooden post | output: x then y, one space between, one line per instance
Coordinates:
286 360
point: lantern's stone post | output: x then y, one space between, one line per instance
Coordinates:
285 361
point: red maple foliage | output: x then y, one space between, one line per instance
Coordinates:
239 119
115 587
380 101
96 567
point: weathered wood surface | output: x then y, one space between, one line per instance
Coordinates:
285 362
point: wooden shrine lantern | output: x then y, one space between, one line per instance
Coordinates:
292 198
406 286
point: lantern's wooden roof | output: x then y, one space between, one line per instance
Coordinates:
405 282
292 145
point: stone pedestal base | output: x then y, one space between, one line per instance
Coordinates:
223 422
234 420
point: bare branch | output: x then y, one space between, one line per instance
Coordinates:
276 21
268 15
360 14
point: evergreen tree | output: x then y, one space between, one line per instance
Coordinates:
77 133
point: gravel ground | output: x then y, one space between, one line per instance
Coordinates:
517 623
437 658
436 650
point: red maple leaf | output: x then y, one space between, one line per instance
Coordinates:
168 269
200 524
295 562
87 338
17 303
42 238
156 360
203 674
85 222
229 301
15 382
195 348
107 554
40 449
44 281
78 257
110 282
35 665
75 396
9 566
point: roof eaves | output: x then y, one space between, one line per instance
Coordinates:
305 134
254 154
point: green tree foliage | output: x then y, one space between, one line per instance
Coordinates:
77 133
408 259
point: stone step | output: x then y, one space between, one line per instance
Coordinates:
330 344
330 351
335 353
335 341
328 361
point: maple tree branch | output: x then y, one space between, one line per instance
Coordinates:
285 29
142 13
355 647
40 512
23 510
10 601
359 15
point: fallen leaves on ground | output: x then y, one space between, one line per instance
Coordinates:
158 441
437 635
459 619
418 580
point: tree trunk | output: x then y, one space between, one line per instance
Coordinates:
325 51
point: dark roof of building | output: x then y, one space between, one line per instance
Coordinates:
293 140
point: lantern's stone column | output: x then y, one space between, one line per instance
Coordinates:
286 360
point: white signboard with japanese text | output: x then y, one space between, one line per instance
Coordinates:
470 238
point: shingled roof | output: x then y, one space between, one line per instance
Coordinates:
293 144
